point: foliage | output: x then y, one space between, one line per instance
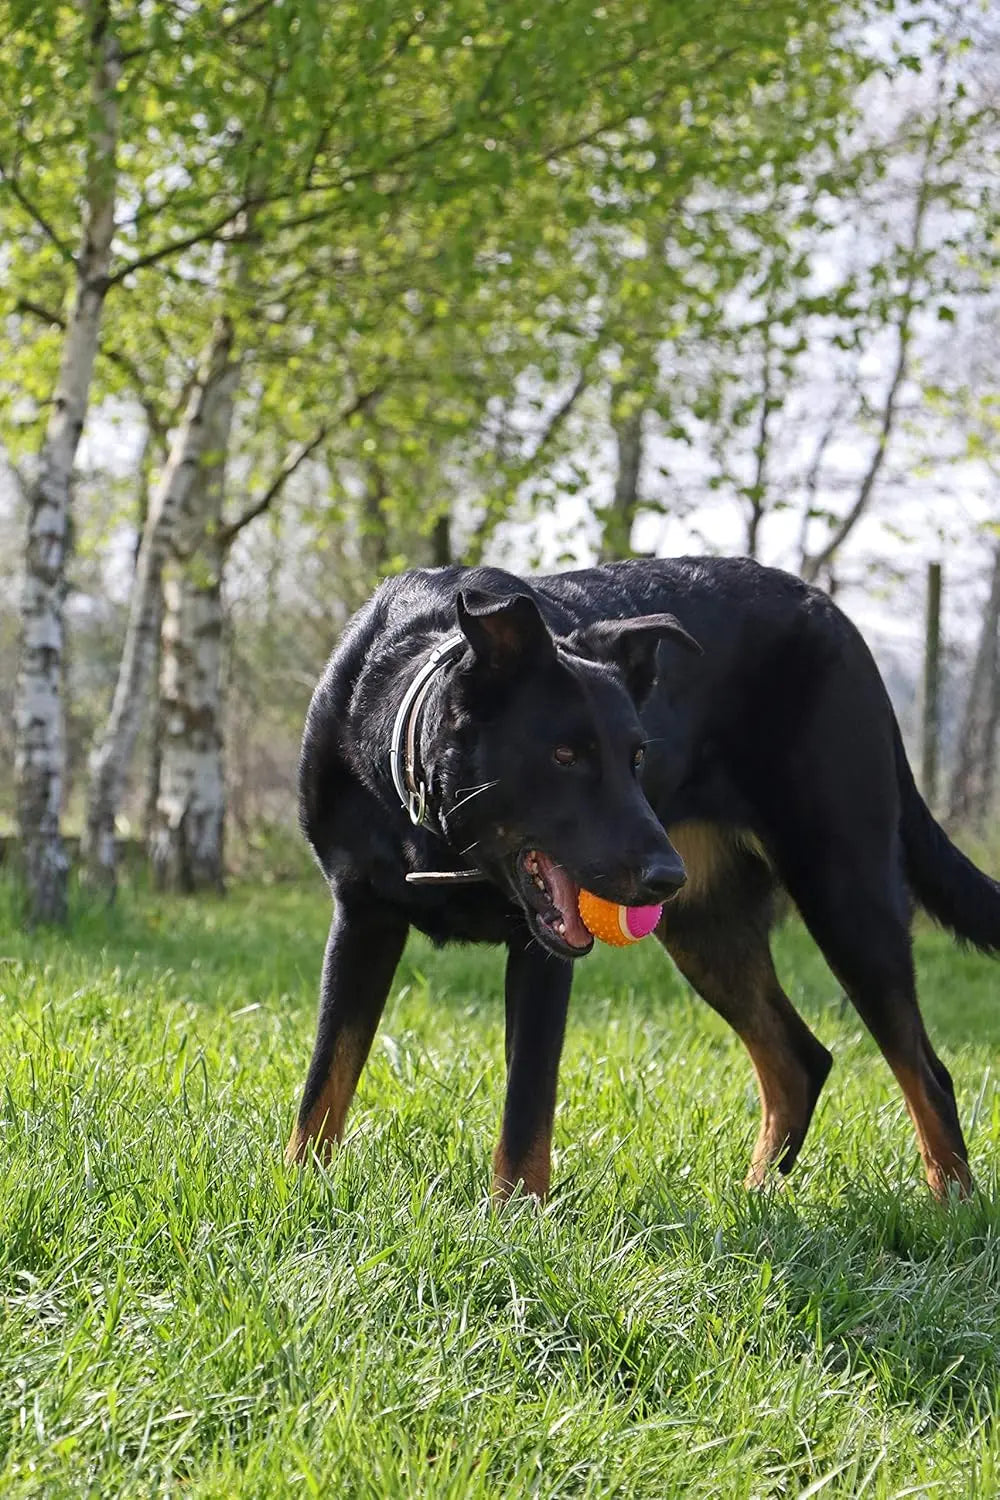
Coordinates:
447 252
456 241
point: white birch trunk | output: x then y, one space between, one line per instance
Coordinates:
112 754
186 843
39 756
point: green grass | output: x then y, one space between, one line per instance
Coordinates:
183 1316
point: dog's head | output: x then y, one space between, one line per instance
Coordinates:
537 754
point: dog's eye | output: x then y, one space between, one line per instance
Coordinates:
638 756
563 755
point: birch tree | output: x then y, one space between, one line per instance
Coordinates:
186 838
38 708
64 71
187 829
111 756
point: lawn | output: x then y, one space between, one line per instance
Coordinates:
184 1316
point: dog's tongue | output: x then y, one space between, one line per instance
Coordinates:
565 894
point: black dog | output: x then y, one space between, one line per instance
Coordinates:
545 734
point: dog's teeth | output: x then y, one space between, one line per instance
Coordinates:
540 882
559 927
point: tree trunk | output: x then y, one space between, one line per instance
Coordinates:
112 754
39 757
972 780
990 742
151 789
187 838
373 537
441 553
627 418
930 717
186 845
187 823
757 492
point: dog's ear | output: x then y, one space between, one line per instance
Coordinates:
503 631
631 646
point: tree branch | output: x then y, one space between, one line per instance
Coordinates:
558 418
814 565
138 380
617 121
408 154
20 482
36 214
295 459
241 20
174 247
815 469
298 456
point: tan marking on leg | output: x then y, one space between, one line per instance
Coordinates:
533 1172
759 1011
944 1161
707 850
784 1087
323 1127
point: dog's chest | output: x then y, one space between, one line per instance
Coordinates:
362 850
481 915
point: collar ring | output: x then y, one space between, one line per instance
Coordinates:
416 805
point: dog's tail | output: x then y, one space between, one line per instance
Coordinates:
947 884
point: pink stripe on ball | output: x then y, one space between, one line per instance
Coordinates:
642 919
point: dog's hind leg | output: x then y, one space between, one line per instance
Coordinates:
537 999
364 946
723 950
825 782
857 911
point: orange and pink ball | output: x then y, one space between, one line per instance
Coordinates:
616 924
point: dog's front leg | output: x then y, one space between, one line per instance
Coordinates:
362 951
537 998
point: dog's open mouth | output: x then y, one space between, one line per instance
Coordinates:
551 898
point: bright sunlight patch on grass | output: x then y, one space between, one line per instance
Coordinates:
183 1315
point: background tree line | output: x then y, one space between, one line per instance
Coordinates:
297 294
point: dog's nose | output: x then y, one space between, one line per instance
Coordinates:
662 877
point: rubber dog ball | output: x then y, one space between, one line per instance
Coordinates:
615 924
